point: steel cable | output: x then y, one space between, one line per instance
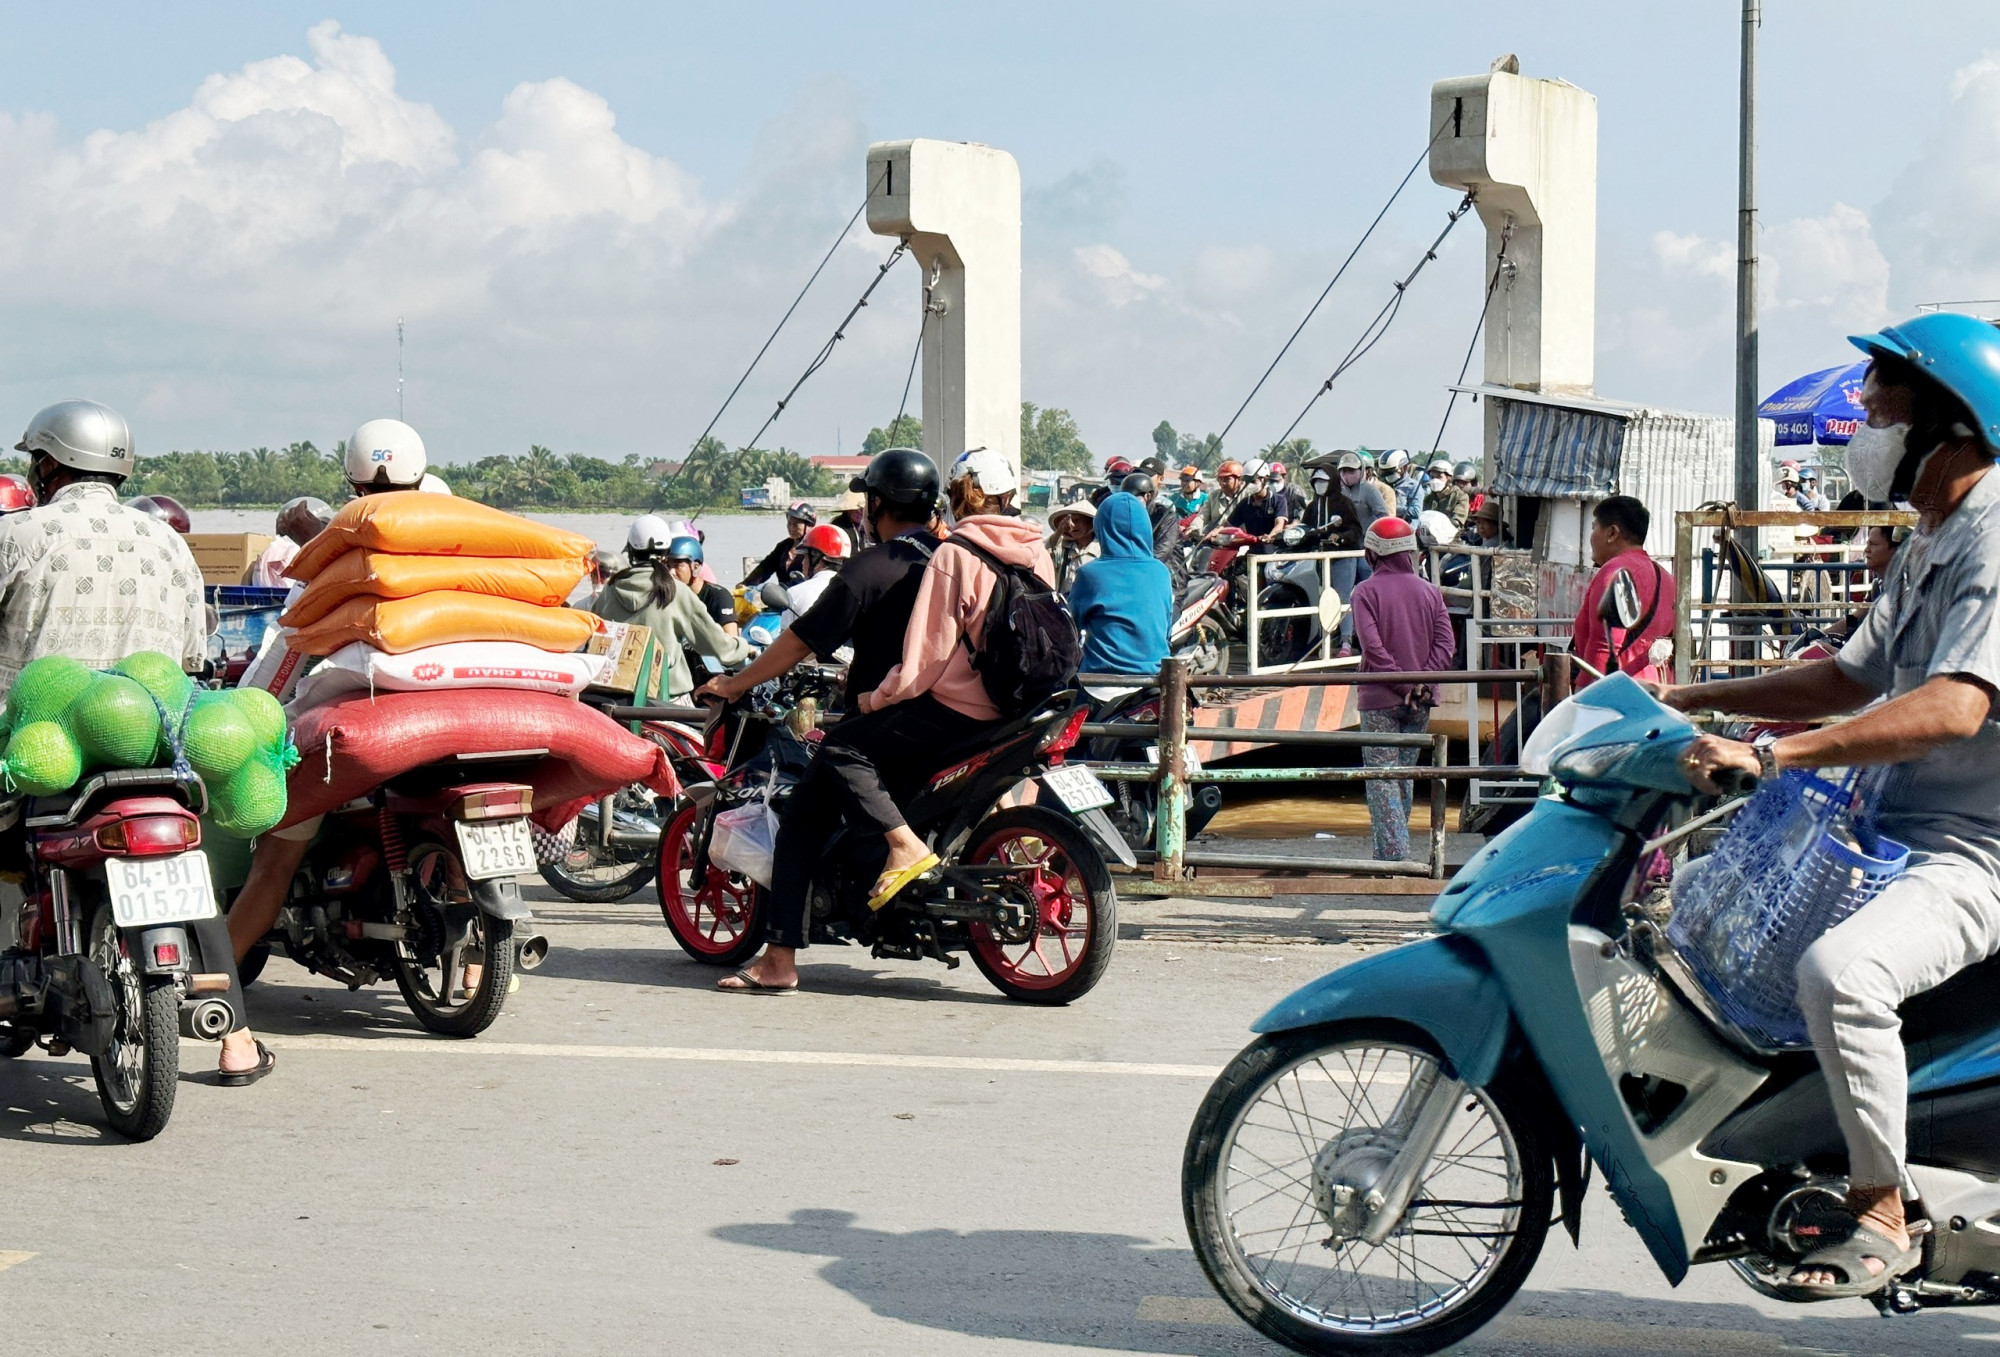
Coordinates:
839 333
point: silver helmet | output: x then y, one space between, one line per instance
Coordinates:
82 434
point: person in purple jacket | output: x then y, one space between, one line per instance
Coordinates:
1401 623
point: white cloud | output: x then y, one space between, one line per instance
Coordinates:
1115 277
1695 254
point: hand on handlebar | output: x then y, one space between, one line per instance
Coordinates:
1716 765
724 688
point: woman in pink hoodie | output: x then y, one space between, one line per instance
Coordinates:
945 629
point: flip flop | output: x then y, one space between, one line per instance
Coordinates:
889 885
751 985
1849 1259
266 1062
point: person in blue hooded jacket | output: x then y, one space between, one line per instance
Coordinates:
1123 600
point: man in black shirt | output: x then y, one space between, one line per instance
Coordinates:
684 553
1260 512
867 606
781 562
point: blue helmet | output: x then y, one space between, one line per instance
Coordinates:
1960 353
684 549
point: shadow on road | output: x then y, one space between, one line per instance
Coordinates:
1046 1286
822 969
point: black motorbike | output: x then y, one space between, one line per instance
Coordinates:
1135 805
1024 887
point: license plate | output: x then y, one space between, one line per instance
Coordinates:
147 891
1077 788
491 848
1190 761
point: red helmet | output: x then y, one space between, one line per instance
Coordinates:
1230 468
1118 466
165 508
827 540
15 494
1388 535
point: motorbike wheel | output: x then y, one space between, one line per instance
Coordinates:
1283 640
717 920
1211 649
15 1041
432 976
1299 1113
594 874
1067 946
139 1074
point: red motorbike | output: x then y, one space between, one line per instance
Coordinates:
116 940
609 852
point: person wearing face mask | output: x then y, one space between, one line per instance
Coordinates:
1930 645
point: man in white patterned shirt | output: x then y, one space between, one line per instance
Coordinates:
86 577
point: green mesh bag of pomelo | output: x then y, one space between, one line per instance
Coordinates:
62 720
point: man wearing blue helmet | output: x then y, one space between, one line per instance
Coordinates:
684 555
1930 644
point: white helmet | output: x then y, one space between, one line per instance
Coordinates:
1395 459
83 435
1436 527
648 534
993 473
1256 467
385 453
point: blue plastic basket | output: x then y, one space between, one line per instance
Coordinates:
244 613
1798 859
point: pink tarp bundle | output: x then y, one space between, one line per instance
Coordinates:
369 741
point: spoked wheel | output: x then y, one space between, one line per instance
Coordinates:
138 1075
718 919
453 970
1294 1137
1064 944
594 872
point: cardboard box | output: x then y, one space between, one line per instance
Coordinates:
226 557
634 652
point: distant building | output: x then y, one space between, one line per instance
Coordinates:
842 466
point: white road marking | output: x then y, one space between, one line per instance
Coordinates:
11 1257
724 1055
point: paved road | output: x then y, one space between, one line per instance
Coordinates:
896 1161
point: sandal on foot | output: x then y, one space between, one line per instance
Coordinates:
891 884
266 1062
752 985
1849 1259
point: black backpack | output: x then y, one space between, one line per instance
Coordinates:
1031 646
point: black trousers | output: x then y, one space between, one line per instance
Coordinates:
864 767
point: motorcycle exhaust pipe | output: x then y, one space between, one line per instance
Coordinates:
531 951
211 1020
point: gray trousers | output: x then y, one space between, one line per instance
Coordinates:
1940 916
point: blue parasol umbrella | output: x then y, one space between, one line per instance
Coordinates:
1823 407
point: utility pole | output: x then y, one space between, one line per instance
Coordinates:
1746 279
399 368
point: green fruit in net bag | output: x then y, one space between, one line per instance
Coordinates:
44 689
264 713
115 724
41 760
251 801
159 676
218 737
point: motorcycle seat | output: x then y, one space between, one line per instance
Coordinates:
1007 732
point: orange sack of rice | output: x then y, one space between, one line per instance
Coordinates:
440 617
354 574
417 524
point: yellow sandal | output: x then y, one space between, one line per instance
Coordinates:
891 884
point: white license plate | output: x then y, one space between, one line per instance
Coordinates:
1190 761
1077 788
148 891
491 848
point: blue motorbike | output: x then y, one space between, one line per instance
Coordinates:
1377 1172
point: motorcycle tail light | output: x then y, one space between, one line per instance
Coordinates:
150 836
166 954
1065 736
504 803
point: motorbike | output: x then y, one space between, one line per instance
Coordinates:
1221 577
1135 804
1378 1170
1024 887
113 943
416 881
591 866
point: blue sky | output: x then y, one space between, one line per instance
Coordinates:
590 213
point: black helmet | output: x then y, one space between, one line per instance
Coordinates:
1465 471
1153 467
1140 484
802 512
903 477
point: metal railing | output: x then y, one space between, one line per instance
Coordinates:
1325 652
1174 774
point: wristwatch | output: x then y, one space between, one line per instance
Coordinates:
1767 761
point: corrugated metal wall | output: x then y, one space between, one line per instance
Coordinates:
1673 462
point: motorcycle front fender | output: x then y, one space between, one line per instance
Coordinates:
1442 986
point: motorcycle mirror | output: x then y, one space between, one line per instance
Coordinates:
1330 609
1620 605
713 665
775 596
211 618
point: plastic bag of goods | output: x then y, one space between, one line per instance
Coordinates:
435 525
745 840
359 667
381 574
442 617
